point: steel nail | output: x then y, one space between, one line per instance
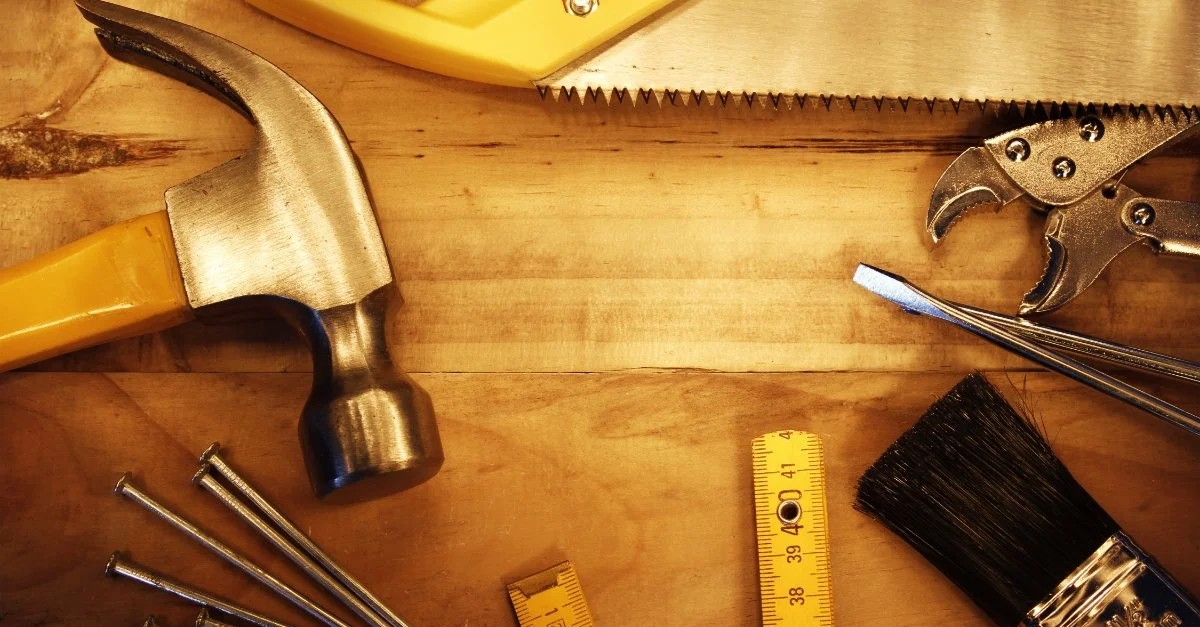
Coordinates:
126 488
117 566
213 458
206 480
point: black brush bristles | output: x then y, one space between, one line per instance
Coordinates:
976 489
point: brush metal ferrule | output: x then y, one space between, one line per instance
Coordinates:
1118 586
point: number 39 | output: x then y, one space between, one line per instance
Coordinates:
794 554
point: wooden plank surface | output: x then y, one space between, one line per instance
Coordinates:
530 237
642 479
571 274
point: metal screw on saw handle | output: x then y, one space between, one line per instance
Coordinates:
204 479
581 8
117 566
212 457
126 488
1017 150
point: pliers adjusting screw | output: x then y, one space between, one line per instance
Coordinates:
1142 215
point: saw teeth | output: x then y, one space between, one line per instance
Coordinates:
1022 111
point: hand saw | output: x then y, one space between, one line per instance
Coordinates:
1090 51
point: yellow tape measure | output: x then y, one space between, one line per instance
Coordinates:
551 598
793 539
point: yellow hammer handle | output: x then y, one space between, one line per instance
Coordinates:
505 42
119 282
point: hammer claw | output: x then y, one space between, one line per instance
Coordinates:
289 227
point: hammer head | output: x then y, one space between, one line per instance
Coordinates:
289 226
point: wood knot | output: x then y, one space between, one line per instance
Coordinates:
31 149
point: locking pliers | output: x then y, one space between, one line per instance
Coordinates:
1071 169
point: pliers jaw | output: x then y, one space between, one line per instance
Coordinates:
1081 240
974 179
1069 168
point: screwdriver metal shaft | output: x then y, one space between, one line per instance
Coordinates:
914 300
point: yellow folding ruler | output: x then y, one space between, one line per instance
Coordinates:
551 598
793 538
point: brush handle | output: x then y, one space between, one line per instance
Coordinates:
1119 586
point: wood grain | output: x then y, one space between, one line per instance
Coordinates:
537 237
642 479
576 277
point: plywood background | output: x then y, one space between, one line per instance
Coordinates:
606 305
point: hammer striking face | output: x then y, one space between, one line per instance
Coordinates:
287 226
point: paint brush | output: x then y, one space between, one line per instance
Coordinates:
976 489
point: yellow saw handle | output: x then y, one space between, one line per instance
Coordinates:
505 42
118 282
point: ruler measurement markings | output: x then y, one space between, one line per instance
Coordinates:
790 523
550 598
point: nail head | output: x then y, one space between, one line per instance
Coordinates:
119 489
209 452
201 473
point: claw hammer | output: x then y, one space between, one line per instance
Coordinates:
287 226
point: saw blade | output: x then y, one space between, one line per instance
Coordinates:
719 52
